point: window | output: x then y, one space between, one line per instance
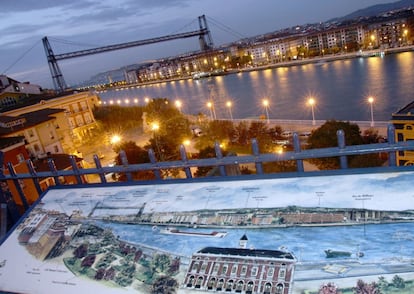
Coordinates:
270 272
75 107
195 267
216 268
36 148
224 269
79 120
282 271
20 157
243 270
88 118
279 289
254 271
234 269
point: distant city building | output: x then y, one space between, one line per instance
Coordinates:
13 92
403 121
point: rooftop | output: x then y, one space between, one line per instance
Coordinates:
260 253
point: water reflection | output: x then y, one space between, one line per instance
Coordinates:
340 87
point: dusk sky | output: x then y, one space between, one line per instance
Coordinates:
95 23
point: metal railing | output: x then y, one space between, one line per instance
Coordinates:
220 162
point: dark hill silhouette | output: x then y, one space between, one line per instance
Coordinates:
377 9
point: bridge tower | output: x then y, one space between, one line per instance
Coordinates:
204 44
57 76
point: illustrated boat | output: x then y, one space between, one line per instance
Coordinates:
174 231
336 253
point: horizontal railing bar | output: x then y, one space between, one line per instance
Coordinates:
227 161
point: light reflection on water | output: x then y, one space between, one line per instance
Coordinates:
340 88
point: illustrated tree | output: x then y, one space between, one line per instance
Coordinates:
398 282
365 288
329 288
161 262
164 285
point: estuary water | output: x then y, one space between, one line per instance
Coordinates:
340 88
381 243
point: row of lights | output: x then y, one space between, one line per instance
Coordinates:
229 104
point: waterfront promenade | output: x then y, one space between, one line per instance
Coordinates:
308 125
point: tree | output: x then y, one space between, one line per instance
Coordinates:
215 131
208 152
115 115
170 129
135 155
326 136
260 132
241 133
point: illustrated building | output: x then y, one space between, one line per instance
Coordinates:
241 270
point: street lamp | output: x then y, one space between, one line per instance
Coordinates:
210 105
311 102
266 106
115 139
229 105
178 104
371 102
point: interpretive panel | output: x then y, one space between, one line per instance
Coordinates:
282 235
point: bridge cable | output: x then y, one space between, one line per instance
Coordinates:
67 42
226 28
184 27
21 57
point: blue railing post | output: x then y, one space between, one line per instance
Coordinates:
153 160
343 160
99 167
184 158
392 157
17 185
219 155
75 169
297 149
256 152
53 169
124 161
6 196
35 179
